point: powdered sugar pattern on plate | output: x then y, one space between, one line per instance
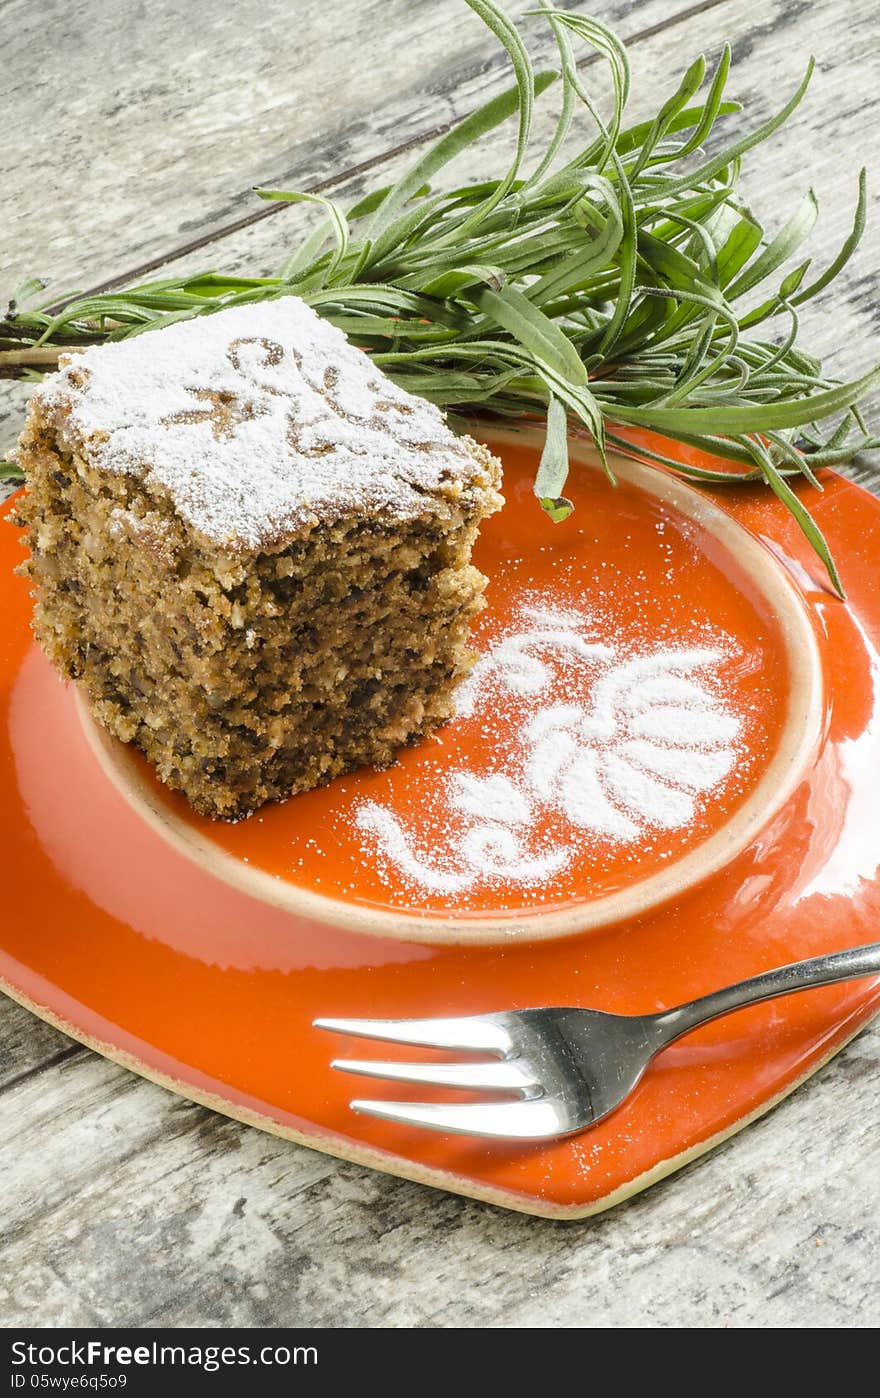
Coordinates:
258 421
632 756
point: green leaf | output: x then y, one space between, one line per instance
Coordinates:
553 470
453 283
606 43
740 243
468 130
786 242
720 162
677 269
575 269
810 529
400 232
506 31
714 105
847 250
633 136
754 417
628 245
23 292
689 85
336 224
374 197
563 126
516 313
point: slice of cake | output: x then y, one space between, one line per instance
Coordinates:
252 550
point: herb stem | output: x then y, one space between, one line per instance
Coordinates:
597 288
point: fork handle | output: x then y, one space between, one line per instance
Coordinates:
800 975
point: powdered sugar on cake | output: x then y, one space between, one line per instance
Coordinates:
258 421
646 738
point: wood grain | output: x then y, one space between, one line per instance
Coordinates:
126 1206
146 126
28 1046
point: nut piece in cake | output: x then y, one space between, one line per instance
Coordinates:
252 550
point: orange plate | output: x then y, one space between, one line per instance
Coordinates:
199 954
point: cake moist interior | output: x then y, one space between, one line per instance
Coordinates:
246 677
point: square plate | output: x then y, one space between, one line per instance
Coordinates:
199 955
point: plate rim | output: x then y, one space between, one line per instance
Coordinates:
800 740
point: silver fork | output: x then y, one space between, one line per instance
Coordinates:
565 1068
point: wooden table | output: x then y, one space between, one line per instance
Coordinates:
131 137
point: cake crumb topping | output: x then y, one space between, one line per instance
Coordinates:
260 422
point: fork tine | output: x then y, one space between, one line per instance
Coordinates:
534 1120
470 1032
491 1077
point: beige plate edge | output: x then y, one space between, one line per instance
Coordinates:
390 1164
780 779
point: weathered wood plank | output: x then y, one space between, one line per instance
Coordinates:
819 146
123 1205
129 130
27 1044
